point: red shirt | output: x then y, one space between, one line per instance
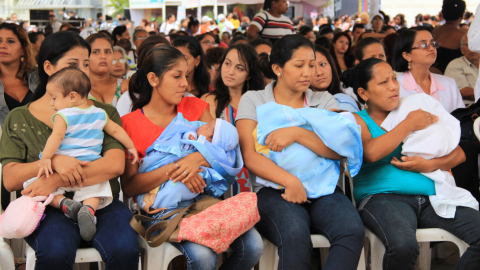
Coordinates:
143 132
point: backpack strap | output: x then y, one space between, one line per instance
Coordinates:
265 25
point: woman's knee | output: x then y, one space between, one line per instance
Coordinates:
403 249
198 256
252 244
55 258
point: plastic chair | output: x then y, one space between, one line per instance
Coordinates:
7 261
423 236
269 259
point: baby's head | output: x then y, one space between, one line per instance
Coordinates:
220 132
68 88
207 130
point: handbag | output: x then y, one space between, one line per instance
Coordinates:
170 227
208 222
23 216
467 116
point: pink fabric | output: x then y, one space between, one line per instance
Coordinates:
219 225
23 216
409 83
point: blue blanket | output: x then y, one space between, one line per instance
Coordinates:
170 147
319 175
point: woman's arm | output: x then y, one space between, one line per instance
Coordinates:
382 146
264 167
210 99
124 86
281 138
419 164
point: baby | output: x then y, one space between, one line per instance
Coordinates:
217 141
203 133
78 132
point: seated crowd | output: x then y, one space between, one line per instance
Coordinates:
289 106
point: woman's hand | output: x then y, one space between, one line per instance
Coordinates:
420 119
281 138
186 170
69 169
295 192
43 186
413 164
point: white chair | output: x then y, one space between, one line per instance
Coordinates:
424 237
159 258
269 259
7 261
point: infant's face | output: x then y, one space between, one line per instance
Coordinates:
207 130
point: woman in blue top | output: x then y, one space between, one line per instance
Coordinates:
391 192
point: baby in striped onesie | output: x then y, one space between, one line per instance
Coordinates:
78 132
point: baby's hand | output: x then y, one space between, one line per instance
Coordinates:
191 137
45 167
133 152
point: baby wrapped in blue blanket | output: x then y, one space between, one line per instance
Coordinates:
319 175
217 141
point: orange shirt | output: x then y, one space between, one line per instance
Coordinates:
143 132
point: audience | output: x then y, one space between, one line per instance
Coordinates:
449 34
464 70
207 41
119 63
341 52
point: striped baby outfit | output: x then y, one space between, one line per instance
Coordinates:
84 135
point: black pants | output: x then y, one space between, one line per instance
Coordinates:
466 174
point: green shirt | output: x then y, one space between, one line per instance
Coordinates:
24 137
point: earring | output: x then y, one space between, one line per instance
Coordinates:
366 105
22 58
409 66
278 74
154 85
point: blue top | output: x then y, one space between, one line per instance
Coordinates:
383 177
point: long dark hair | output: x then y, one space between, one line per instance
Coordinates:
53 48
200 77
146 46
28 63
160 59
360 75
282 52
119 30
404 43
347 57
334 87
249 57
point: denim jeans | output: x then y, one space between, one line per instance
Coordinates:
395 218
57 239
288 226
247 248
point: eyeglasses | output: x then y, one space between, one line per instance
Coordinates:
377 20
427 45
121 60
141 38
210 43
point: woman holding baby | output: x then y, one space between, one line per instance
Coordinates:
393 195
288 216
162 78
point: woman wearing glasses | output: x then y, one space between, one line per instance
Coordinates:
207 41
415 52
119 63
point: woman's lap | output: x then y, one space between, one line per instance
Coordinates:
59 237
395 219
287 226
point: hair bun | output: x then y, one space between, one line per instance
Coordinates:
346 77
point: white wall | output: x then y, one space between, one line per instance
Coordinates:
411 8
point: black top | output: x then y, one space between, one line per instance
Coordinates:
444 56
13 103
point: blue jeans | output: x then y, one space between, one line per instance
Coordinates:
247 249
395 219
57 239
288 226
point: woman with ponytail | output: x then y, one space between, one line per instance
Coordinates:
287 217
391 192
57 237
162 79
